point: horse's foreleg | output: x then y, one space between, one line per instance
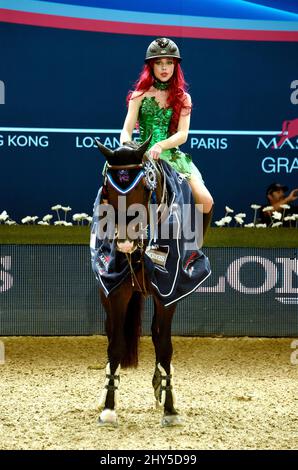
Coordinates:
116 346
156 380
163 375
109 397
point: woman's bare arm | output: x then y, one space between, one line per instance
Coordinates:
131 117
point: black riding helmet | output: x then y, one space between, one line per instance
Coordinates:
162 47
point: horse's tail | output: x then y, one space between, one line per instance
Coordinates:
132 330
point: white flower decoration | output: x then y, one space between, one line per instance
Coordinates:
59 222
4 216
261 225
220 223
268 208
255 207
229 210
56 208
249 225
276 215
241 214
276 224
47 218
26 220
65 209
239 220
285 206
77 217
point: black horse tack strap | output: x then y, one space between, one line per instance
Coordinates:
174 267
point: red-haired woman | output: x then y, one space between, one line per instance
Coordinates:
160 106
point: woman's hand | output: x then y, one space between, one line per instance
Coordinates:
155 151
293 195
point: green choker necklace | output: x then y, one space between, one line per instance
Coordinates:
161 85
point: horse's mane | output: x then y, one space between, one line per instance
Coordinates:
132 144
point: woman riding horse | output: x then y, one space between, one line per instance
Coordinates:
162 109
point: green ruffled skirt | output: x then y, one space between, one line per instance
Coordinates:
181 162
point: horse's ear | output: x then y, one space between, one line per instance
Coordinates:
108 153
142 149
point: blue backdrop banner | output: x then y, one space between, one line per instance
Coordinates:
66 68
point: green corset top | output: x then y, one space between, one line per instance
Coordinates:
156 120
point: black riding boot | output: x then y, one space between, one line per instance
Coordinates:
205 220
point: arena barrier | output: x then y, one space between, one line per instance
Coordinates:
51 290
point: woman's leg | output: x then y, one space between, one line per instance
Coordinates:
203 197
200 193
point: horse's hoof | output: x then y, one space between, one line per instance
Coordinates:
108 418
107 424
171 420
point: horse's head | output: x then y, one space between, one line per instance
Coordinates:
129 180
130 153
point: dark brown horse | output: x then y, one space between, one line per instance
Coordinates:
130 174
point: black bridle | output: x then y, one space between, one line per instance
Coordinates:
150 172
132 166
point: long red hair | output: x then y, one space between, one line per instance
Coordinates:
177 91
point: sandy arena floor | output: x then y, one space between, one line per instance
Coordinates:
233 394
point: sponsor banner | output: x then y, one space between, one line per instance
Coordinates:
51 290
61 159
